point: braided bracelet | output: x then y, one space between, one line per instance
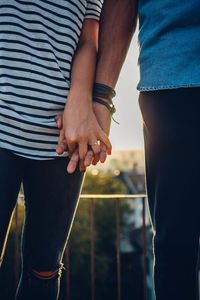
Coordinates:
110 107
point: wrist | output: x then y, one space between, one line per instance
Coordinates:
79 99
101 108
104 99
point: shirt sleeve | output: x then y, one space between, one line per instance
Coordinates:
93 10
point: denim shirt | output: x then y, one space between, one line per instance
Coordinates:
169 41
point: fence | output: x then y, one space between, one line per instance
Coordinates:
92 247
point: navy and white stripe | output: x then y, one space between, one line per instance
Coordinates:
38 39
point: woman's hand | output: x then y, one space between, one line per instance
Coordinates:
74 158
80 129
104 119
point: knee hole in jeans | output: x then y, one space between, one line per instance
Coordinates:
48 274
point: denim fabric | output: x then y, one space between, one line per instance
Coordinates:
172 143
51 198
169 40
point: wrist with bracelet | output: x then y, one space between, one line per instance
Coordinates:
104 91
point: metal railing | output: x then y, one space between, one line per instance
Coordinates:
92 247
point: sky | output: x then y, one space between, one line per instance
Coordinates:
127 135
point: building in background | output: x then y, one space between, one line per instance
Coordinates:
122 161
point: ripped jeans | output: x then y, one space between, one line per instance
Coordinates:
51 198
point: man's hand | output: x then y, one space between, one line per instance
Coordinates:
103 117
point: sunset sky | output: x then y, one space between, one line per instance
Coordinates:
128 135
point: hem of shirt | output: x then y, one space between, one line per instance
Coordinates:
34 156
144 88
40 158
92 17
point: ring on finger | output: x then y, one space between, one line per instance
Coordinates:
94 144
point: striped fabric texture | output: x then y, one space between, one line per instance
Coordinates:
38 39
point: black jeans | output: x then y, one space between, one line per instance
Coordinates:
51 198
172 155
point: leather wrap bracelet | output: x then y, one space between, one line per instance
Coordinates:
106 92
103 91
110 107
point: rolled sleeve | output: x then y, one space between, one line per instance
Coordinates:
93 10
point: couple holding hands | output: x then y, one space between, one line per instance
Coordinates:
58 69
55 117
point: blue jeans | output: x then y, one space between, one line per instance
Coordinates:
172 144
51 198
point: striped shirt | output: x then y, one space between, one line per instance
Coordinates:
38 39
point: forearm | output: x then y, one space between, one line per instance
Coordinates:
83 71
117 25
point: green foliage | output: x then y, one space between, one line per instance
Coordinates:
102 184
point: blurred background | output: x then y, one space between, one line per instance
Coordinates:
128 135
105 258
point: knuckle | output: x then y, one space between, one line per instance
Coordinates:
70 140
73 162
82 138
63 142
96 150
90 155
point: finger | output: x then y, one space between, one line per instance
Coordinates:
104 138
83 148
59 123
57 117
73 162
82 166
58 120
71 146
62 147
103 155
96 158
88 158
62 143
95 148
